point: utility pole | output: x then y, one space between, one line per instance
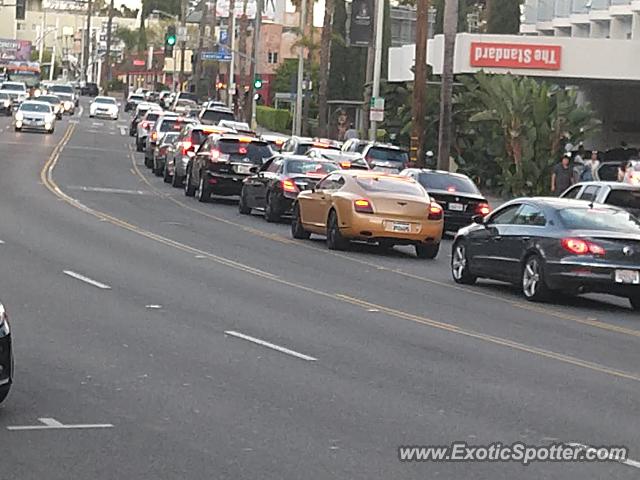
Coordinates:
198 66
214 40
297 120
420 84
183 43
242 52
254 63
377 63
446 90
87 41
52 66
43 29
231 87
107 56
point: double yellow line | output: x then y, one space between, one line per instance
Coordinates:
46 176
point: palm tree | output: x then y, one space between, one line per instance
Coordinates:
325 65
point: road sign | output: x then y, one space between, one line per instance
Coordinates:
376 110
222 56
182 34
223 36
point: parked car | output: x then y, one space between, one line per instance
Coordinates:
166 122
17 91
90 89
301 145
548 245
67 94
212 116
6 355
621 195
222 163
56 102
456 194
106 107
160 153
133 100
35 115
242 128
183 106
372 207
275 140
276 185
385 158
6 103
346 160
144 127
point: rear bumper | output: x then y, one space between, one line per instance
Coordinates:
588 277
454 222
224 184
6 361
374 228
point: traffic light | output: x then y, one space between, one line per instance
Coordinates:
169 40
257 83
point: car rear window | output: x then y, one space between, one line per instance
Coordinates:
172 125
384 184
624 198
599 218
152 116
136 97
215 116
255 152
198 136
608 172
13 86
62 89
450 183
188 96
310 166
387 155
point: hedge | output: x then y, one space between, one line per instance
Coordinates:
273 119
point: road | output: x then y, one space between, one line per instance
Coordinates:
380 349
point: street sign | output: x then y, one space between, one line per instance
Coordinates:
223 36
182 34
376 110
222 56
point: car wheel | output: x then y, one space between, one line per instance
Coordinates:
176 181
242 204
533 285
157 170
148 162
51 131
297 230
429 251
139 146
189 190
202 193
165 174
4 391
18 129
460 265
635 302
335 240
270 213
90 116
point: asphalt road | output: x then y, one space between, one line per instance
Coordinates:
383 349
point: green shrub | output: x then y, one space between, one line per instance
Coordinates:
273 119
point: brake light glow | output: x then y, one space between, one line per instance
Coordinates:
289 185
345 164
154 136
242 150
215 155
362 206
483 209
577 246
145 125
435 211
451 189
186 146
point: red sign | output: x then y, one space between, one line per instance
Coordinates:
139 63
515 55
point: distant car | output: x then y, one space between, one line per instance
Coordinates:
242 128
385 158
619 194
372 207
212 116
160 154
139 112
6 355
56 102
35 115
164 124
608 171
553 245
354 145
16 90
6 104
345 160
182 96
632 172
214 104
191 137
133 100
104 107
165 98
275 140
145 125
300 145
90 90
67 94
456 194
183 106
222 163
276 185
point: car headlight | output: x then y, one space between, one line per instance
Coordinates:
37 93
4 322
19 116
68 105
7 103
48 118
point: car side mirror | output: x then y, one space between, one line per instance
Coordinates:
479 219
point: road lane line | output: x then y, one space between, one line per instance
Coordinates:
123 131
88 280
273 346
53 424
47 179
108 190
1 242
627 461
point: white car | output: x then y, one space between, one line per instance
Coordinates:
104 107
34 115
16 90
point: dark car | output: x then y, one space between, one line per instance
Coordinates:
548 245
456 193
6 355
277 183
212 116
222 163
90 90
6 104
621 195
301 145
160 154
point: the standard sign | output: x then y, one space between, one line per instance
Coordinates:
515 55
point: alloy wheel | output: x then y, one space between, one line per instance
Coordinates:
531 277
459 262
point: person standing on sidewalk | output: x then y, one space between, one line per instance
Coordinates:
562 176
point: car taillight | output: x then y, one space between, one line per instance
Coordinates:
483 209
186 146
242 150
145 125
435 211
345 165
577 246
362 206
154 136
289 185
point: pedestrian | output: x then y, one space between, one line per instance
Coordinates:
350 133
562 176
622 171
590 168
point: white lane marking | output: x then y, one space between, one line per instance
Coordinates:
270 345
85 147
88 280
97 124
123 130
53 424
626 461
74 121
81 111
153 307
107 190
1 242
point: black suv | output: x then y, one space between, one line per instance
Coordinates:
222 163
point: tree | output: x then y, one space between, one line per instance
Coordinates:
128 37
503 16
325 51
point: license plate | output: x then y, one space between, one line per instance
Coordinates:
243 168
401 227
628 276
385 169
456 207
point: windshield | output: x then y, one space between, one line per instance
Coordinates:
383 184
111 101
185 102
136 98
172 124
4 96
62 89
450 183
13 86
170 137
599 218
214 116
254 152
387 155
35 107
624 198
198 136
49 99
310 166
